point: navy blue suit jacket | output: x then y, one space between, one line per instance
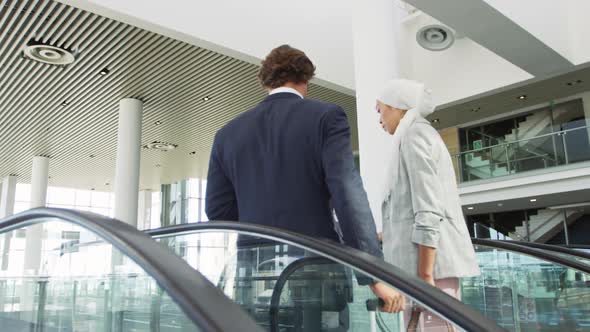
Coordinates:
286 163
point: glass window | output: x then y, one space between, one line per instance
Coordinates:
73 280
21 206
83 197
23 192
62 196
203 188
155 221
203 215
100 199
193 210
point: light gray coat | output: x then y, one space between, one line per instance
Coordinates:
424 208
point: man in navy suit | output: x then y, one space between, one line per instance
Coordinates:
288 161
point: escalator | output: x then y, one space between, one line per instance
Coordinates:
111 277
119 280
580 254
520 288
526 288
92 273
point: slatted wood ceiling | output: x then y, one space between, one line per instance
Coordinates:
170 76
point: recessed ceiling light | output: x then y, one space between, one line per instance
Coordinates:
206 98
522 97
533 199
104 72
157 123
161 146
470 208
576 82
49 54
500 204
436 121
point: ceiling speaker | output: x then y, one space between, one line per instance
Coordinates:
435 37
49 54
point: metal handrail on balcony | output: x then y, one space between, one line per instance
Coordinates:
509 161
502 141
556 133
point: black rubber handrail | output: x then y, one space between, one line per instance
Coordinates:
545 255
459 314
554 248
200 300
576 246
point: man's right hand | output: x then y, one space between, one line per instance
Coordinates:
393 300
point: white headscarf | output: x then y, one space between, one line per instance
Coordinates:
417 100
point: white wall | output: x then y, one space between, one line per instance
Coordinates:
463 70
540 183
579 25
548 20
323 29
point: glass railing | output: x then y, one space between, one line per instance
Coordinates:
544 151
568 253
111 278
517 291
524 293
288 282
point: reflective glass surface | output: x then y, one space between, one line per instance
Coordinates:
59 277
522 293
287 288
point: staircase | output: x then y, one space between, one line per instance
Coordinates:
482 169
536 124
544 225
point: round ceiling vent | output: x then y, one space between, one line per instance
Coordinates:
435 37
161 146
49 54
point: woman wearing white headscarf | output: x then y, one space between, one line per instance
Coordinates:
424 230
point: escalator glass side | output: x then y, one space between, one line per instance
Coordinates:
59 285
524 293
580 256
286 287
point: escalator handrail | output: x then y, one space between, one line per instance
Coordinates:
550 247
198 298
576 246
534 252
460 314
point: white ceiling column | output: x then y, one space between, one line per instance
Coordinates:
34 234
128 158
7 196
376 61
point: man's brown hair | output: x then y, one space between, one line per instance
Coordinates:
285 64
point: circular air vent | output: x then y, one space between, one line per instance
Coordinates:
49 54
161 146
435 37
